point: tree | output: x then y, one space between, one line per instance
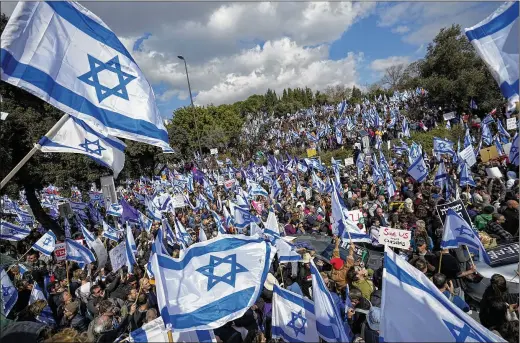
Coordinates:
393 76
453 73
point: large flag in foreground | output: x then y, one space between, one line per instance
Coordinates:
429 313
496 41
215 281
154 332
77 137
293 317
64 54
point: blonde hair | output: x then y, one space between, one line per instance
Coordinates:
68 335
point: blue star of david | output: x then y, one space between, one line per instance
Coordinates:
13 232
293 323
514 149
6 290
97 151
462 231
421 168
91 78
229 277
47 241
442 145
461 334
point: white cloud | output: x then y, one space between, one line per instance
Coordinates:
380 65
401 29
225 65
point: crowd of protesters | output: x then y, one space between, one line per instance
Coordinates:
95 304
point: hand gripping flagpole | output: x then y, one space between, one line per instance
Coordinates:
36 147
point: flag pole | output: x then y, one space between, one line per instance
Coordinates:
36 147
67 269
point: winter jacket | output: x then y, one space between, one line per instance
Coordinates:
482 220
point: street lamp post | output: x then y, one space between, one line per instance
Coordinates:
192 106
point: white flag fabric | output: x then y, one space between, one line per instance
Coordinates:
328 318
293 317
46 243
12 232
78 253
496 41
9 293
75 136
64 54
130 249
214 282
155 331
429 313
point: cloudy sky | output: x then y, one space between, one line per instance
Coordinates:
235 50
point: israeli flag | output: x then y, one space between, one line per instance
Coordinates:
215 282
9 293
467 139
496 41
115 210
443 146
502 131
130 249
145 222
46 243
293 317
87 235
418 170
343 225
255 189
465 176
64 54
513 153
75 136
12 232
339 136
243 218
77 252
151 210
109 232
202 235
227 216
441 177
405 287
218 222
46 316
155 331
328 318
487 138
458 232
406 128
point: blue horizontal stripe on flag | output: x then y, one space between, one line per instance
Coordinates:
496 24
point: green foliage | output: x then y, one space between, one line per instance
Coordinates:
453 73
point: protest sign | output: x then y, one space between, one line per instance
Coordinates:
489 153
118 257
178 201
493 173
468 155
311 153
506 148
457 206
511 124
449 115
229 183
60 252
394 238
213 151
308 193
349 161
220 180
357 217
504 254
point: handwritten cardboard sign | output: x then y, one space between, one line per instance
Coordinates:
394 237
118 257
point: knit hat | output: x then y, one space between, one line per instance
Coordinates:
337 263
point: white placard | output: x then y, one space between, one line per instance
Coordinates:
493 172
468 155
349 161
178 201
394 238
449 115
507 148
213 151
308 193
511 124
118 257
220 180
277 152
59 252
356 216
